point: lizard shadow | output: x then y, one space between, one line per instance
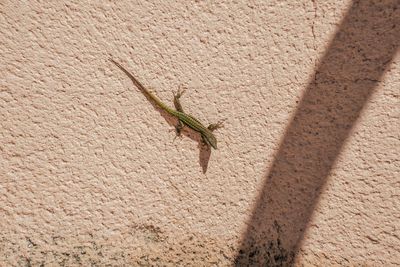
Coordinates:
204 150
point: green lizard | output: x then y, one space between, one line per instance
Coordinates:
183 118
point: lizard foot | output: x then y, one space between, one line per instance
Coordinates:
181 90
215 126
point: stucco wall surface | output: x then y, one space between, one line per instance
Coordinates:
307 169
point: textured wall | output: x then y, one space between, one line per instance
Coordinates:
307 170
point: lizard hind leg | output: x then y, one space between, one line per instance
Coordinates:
178 107
178 95
178 128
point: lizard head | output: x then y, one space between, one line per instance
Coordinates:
210 140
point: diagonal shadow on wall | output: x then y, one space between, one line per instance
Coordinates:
347 75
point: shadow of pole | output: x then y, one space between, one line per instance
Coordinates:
351 68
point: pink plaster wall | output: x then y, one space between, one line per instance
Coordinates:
307 171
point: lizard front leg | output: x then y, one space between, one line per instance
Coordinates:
215 126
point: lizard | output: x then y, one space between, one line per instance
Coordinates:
184 119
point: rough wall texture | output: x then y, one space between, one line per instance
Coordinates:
307 170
